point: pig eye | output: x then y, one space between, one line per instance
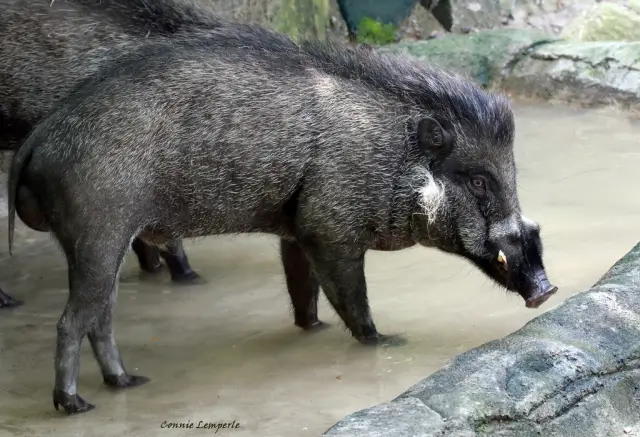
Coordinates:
478 185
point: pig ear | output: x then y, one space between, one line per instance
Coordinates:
433 139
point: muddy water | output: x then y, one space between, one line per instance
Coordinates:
227 350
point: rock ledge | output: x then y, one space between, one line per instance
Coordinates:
572 372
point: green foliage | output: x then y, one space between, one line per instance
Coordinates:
373 32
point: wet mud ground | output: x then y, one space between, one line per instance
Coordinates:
227 350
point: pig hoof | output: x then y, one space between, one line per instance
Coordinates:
72 404
125 380
154 269
188 277
384 340
314 326
9 302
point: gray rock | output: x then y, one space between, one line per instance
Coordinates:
571 372
605 22
421 24
589 73
337 25
455 15
531 64
482 56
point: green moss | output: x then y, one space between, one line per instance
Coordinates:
594 73
374 32
302 18
605 22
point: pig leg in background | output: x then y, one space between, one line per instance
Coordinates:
173 254
302 285
7 301
176 259
341 275
148 256
93 282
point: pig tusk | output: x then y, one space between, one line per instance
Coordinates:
502 259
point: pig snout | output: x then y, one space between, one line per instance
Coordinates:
517 264
541 289
528 279
530 282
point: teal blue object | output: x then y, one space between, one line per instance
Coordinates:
385 11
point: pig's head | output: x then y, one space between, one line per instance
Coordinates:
467 197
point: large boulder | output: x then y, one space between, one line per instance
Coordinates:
482 56
532 64
571 372
435 17
605 22
590 74
460 15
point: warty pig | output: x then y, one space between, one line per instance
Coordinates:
337 151
52 47
48 48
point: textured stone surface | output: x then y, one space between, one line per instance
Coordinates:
482 56
605 22
297 18
572 372
532 64
589 73
456 15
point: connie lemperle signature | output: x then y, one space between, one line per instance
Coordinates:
217 426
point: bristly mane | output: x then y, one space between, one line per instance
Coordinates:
413 82
162 16
408 80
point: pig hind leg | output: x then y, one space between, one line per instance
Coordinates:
94 263
7 301
302 286
106 352
341 275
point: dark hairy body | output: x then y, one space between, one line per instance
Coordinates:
335 150
49 48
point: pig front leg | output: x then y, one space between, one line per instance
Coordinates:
341 275
7 301
148 256
302 286
176 259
